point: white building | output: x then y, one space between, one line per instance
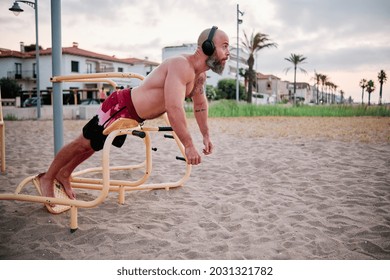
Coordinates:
270 89
20 65
303 92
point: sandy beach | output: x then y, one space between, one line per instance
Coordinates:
275 188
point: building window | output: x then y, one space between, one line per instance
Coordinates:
75 66
34 70
120 69
18 70
89 67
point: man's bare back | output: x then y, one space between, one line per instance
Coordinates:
150 97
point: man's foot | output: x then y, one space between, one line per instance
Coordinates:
65 183
45 185
56 190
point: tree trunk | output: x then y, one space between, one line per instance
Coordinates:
250 82
251 62
380 94
295 84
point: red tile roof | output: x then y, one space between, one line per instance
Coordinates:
11 53
262 76
74 50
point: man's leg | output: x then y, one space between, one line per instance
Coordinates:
63 175
67 159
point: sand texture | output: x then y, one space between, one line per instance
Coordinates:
274 188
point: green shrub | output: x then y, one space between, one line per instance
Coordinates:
10 117
229 108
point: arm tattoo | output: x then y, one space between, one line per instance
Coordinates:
198 87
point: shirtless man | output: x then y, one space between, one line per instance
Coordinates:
163 90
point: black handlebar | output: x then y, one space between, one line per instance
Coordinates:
140 134
165 128
181 158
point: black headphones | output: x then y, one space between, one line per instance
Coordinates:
208 47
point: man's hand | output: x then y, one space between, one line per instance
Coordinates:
192 155
208 146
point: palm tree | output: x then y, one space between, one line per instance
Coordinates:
296 59
342 96
317 77
324 80
327 83
363 85
334 92
252 45
370 88
382 78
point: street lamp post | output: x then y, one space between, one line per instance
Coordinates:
239 21
16 10
58 124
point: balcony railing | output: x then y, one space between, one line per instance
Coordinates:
24 75
105 69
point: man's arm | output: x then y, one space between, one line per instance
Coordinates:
201 112
176 81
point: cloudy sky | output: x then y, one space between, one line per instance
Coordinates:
347 40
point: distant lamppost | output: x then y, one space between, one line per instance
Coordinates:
16 10
239 21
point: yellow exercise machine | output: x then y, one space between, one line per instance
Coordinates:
105 183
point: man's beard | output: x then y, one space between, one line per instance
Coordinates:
215 64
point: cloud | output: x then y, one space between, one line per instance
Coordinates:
97 10
360 16
137 50
355 59
335 36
